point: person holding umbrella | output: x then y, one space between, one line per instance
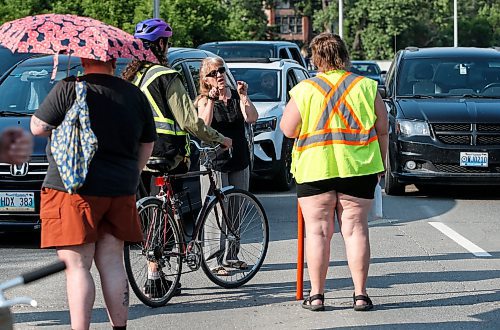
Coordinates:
90 223
175 117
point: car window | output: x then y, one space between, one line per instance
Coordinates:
297 56
240 50
263 85
291 81
449 76
194 69
25 88
8 59
300 74
179 68
366 68
283 53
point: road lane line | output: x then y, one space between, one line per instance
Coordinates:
464 242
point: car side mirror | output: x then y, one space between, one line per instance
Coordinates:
382 91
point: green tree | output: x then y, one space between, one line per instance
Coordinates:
246 20
374 25
118 13
195 21
13 9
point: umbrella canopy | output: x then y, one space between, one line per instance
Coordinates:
72 35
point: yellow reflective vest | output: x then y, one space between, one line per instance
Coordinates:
337 137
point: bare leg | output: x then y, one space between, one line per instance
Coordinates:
109 262
352 213
79 283
318 214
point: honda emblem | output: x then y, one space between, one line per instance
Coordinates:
19 170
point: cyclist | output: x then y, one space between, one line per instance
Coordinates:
174 115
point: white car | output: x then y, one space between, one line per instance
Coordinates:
269 81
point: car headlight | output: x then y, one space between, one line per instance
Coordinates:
267 124
413 128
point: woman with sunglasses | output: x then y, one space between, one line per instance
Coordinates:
227 110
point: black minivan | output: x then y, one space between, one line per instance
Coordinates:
444 113
22 90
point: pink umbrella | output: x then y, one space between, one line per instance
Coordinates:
72 35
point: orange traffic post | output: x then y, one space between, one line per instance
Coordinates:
300 254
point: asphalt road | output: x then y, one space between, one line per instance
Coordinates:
435 265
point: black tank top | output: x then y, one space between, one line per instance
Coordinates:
229 121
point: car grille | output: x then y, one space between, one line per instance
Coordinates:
450 168
37 168
467 134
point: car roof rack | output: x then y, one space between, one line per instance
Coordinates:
412 48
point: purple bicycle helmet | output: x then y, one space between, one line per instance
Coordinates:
152 29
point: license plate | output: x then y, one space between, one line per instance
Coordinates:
476 159
17 201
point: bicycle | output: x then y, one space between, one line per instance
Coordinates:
6 320
230 221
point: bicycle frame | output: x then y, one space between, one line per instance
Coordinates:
169 196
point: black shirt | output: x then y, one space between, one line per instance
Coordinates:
229 121
121 118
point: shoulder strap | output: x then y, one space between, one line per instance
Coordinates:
80 90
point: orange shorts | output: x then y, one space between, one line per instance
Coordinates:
78 219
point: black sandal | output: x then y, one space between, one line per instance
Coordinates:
362 308
307 304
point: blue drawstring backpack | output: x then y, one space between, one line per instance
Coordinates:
73 143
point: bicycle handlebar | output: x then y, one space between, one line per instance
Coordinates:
207 148
43 272
210 150
27 278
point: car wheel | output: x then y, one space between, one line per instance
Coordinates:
284 179
392 186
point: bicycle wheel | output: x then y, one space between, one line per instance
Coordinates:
242 242
159 253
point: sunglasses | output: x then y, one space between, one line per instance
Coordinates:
213 73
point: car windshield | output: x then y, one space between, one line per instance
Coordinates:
241 51
24 89
8 59
365 68
448 77
263 85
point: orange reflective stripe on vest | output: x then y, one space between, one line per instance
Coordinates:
335 103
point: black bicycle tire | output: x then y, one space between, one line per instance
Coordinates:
136 287
254 270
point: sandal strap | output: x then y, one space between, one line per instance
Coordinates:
318 296
364 298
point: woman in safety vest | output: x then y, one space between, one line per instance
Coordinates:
340 124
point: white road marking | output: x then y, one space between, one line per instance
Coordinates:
464 242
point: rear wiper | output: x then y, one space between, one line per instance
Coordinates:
7 113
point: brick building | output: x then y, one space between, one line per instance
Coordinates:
290 25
